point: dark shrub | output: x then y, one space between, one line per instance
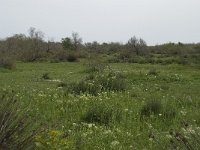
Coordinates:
154 107
46 76
125 55
62 84
151 107
72 57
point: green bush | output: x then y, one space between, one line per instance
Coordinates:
83 87
96 83
111 81
101 113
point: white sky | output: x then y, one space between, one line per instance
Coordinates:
156 21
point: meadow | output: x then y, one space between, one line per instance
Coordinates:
107 106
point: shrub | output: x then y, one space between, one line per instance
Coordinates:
153 71
95 65
111 81
15 125
155 107
83 87
7 63
45 76
125 55
152 107
62 84
99 115
96 83
72 57
102 113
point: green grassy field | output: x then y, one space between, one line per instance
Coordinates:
159 105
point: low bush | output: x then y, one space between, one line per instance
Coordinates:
153 71
45 76
156 108
101 113
112 81
96 83
152 107
72 57
94 65
83 87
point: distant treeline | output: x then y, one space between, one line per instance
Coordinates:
34 48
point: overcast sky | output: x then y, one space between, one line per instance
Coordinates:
156 21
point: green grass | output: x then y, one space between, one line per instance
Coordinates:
62 114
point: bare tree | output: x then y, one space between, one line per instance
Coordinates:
72 43
31 32
76 40
136 44
37 43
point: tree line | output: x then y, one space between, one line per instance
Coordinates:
34 48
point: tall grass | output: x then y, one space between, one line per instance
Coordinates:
15 125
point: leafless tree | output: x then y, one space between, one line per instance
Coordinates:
76 40
136 44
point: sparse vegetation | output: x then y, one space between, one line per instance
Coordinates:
103 108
